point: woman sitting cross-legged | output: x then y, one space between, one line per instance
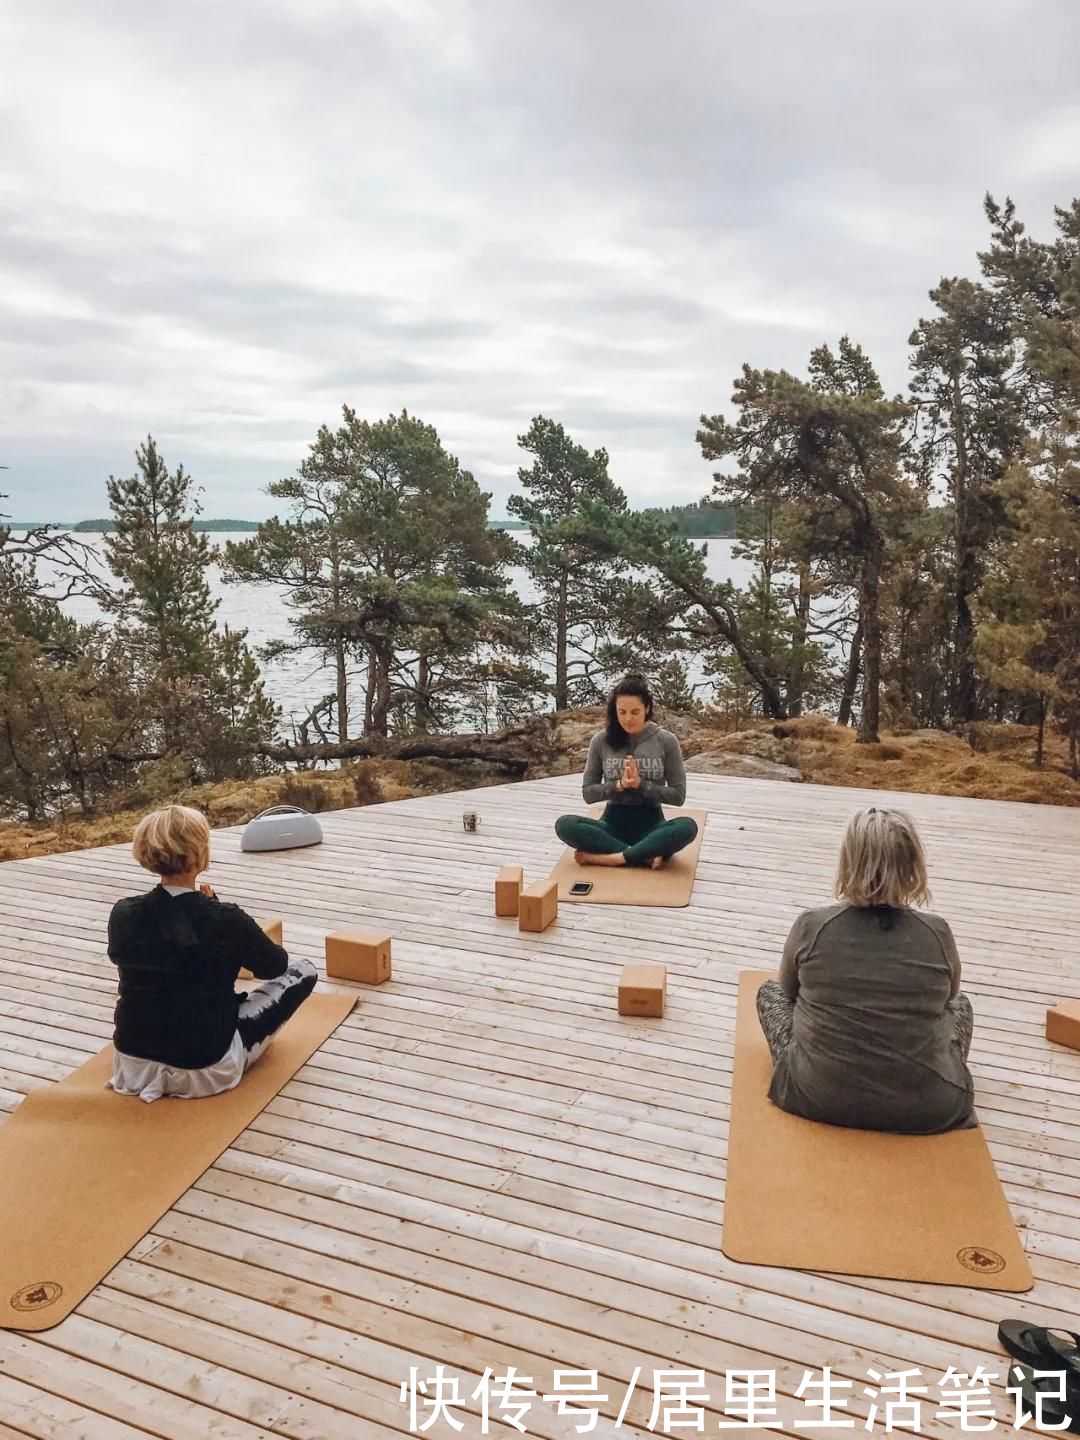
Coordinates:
636 767
867 1025
181 1027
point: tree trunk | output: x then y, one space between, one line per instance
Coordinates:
967 570
758 667
342 688
380 713
868 603
772 702
964 707
851 678
77 776
903 662
1041 735
369 696
341 679
515 748
1028 709
797 675
562 690
423 680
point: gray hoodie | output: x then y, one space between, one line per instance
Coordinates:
660 763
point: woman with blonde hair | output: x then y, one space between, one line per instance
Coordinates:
867 1025
181 1027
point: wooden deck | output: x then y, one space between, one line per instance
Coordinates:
486 1166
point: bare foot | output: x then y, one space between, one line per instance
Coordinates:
657 862
583 857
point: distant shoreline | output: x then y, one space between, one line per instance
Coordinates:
205 527
107 527
227 527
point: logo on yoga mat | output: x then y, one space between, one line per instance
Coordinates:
36 1297
981 1260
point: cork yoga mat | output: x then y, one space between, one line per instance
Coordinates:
804 1196
85 1173
669 887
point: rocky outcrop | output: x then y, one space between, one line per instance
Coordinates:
749 766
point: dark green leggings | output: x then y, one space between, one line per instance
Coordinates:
639 832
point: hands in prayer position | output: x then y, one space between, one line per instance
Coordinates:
631 777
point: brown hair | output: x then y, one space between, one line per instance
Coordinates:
882 861
637 686
172 841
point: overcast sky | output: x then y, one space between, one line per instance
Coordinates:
221 221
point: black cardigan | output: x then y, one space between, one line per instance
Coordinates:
178 957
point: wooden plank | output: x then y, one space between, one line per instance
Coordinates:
487 1126
45 1416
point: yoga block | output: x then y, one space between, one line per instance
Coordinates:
643 990
273 928
508 885
351 955
538 906
1063 1023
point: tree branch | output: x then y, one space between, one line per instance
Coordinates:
515 748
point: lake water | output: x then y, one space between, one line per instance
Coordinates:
297 682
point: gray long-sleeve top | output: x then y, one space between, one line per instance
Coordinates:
660 764
872 1039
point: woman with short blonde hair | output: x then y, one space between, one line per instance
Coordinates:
172 841
866 1024
181 1027
882 861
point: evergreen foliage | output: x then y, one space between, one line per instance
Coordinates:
575 588
393 575
914 561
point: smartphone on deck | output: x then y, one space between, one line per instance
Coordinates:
582 887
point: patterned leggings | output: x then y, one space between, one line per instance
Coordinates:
776 1013
265 1009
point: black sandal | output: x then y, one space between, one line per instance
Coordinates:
1042 1349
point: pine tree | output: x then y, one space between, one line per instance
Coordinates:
575 588
166 617
1040 281
675 608
795 609
834 443
66 696
315 558
970 427
387 559
1028 639
919 621
165 602
234 715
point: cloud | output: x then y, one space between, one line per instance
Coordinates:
220 222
